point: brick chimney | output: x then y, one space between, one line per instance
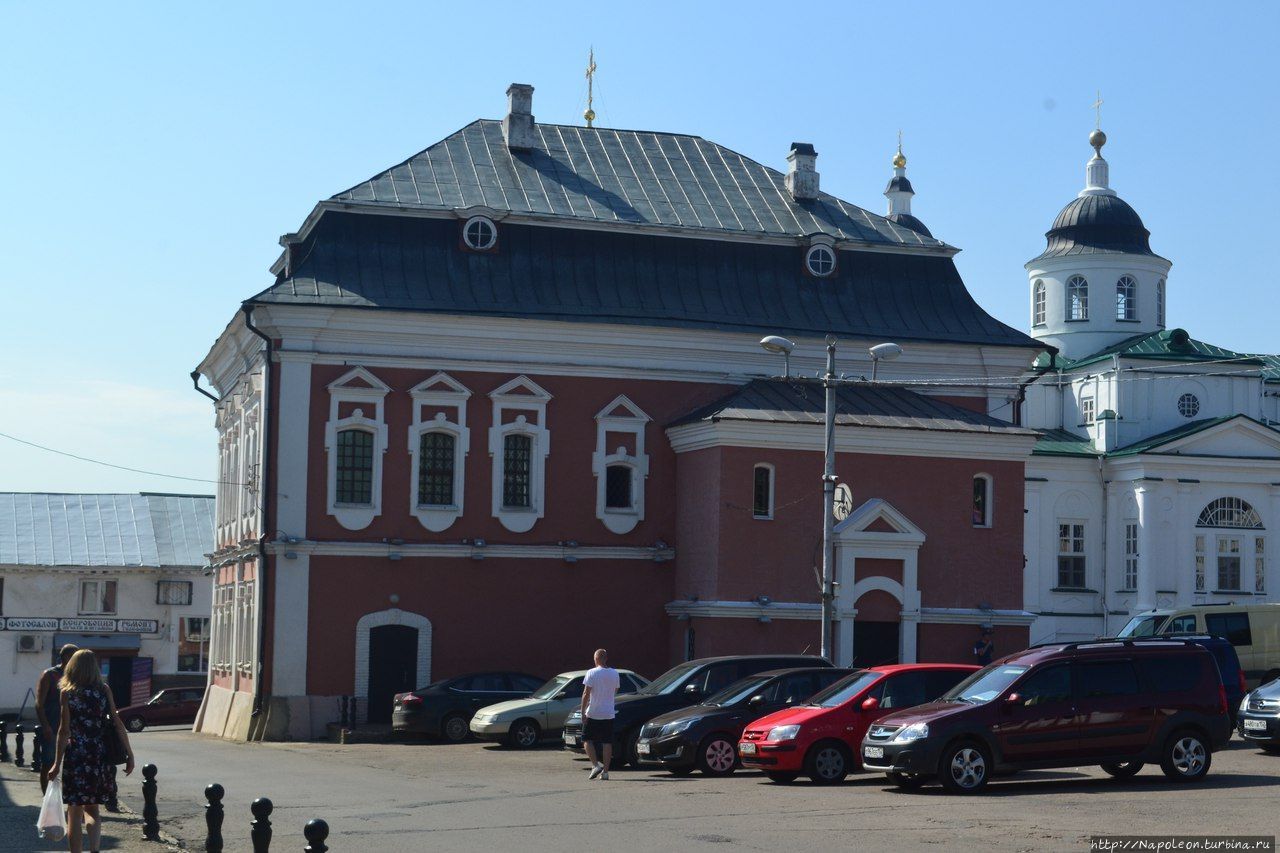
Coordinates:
517 127
802 175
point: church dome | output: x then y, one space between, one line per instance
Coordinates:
906 220
1097 224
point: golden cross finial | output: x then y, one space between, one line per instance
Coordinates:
1097 112
899 140
589 114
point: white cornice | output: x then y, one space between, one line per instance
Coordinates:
461 551
813 612
852 439
974 616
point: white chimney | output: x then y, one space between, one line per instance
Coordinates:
517 127
802 175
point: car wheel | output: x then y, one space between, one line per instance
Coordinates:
717 756
781 778
907 781
135 724
1271 748
964 768
827 763
1123 770
524 734
455 728
1186 757
626 752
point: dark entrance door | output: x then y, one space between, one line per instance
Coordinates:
875 643
393 666
120 680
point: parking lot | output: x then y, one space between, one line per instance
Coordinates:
402 796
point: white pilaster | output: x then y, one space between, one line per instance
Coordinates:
292 576
1146 498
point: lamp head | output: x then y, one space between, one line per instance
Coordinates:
777 344
885 352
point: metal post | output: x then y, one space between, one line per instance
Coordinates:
37 752
4 740
19 757
261 831
316 832
150 816
213 818
828 504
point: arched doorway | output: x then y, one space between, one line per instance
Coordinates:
877 629
393 655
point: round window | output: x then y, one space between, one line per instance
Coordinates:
479 233
1188 405
820 260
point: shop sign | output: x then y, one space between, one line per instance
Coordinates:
80 625
28 623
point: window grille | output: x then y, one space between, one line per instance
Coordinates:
1038 304
517 455
1229 512
435 469
1130 557
1077 298
1071 558
617 487
1188 405
1200 560
1259 564
1126 298
1229 563
173 592
355 467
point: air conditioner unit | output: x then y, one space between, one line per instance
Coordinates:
30 643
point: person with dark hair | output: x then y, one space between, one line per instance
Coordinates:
49 711
984 648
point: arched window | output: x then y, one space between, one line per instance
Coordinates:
1230 512
355 467
517 471
762 492
1232 550
1160 303
617 487
1077 298
1127 298
436 459
1037 303
981 508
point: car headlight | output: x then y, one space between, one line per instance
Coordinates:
677 726
915 731
483 719
783 732
1244 703
574 717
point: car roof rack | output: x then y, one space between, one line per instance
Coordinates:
1113 641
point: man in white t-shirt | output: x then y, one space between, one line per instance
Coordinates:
599 688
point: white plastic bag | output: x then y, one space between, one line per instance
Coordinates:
52 824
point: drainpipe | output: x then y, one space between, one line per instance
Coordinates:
264 485
1102 481
1022 387
208 676
195 381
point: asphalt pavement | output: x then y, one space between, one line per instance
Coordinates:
425 796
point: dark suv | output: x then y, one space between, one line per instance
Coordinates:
444 709
1115 703
679 687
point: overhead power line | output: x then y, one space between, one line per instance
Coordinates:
113 465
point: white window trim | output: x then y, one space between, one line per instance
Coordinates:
813 250
349 516
1039 303
1083 524
452 395
80 600
1084 302
493 233
773 477
617 519
1089 413
533 401
1129 579
988 502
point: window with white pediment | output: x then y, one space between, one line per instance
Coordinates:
620 465
355 441
438 445
519 443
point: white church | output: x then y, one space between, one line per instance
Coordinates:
1157 481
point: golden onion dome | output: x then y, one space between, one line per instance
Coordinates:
899 160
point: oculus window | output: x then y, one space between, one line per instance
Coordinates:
820 261
480 234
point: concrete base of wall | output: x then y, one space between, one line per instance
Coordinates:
229 715
226 713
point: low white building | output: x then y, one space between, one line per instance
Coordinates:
1157 482
124 575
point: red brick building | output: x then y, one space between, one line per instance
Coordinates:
504 403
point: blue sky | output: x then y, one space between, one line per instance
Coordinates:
153 153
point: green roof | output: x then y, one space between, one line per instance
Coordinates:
1152 442
1059 442
1170 345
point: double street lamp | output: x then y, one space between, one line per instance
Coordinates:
879 353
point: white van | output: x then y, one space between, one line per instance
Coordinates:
1254 629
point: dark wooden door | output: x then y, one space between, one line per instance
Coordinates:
120 680
393 666
875 643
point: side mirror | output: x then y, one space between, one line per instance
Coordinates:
692 690
563 694
870 703
757 699
1014 700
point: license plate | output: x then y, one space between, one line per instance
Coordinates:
873 751
1256 725
642 747
570 740
747 748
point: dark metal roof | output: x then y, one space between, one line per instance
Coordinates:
417 264
906 220
1097 224
801 401
620 176
899 183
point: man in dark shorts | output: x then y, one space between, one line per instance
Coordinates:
49 711
599 688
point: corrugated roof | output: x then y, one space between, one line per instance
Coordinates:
39 529
415 263
802 401
1166 345
636 177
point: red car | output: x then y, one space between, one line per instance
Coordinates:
822 738
170 707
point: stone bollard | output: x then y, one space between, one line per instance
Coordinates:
4 740
354 717
261 832
213 818
150 816
37 751
19 757
316 832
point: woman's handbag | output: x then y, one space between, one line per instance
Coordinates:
116 753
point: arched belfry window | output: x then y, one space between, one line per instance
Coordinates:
1127 298
1038 303
1077 298
1230 512
1160 303
981 506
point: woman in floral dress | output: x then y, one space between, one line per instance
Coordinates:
82 749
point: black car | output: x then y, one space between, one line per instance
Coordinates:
705 736
1259 718
444 709
679 687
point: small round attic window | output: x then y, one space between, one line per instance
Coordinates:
1188 405
479 233
820 260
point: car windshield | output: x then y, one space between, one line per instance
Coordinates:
1142 626
738 691
985 684
156 698
669 680
844 689
551 688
